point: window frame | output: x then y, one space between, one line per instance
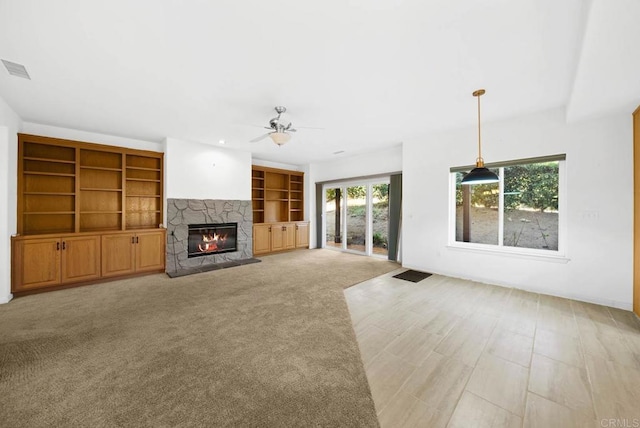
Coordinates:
500 248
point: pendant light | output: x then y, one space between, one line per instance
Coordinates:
479 174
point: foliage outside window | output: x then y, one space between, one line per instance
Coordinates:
521 211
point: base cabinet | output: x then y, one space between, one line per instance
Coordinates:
273 237
302 235
127 253
46 262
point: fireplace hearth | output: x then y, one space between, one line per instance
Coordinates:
212 238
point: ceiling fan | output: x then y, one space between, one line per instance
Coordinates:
280 130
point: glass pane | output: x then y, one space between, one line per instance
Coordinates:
356 218
531 206
380 199
477 212
333 220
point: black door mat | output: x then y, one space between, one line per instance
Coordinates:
412 275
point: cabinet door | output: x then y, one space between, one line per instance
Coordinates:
289 235
36 263
80 258
150 252
277 237
261 238
302 235
118 255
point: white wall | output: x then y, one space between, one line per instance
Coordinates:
204 171
89 137
278 165
10 125
599 170
376 163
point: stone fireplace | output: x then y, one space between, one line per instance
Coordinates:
204 232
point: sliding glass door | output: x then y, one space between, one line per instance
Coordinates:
356 216
333 217
356 219
380 218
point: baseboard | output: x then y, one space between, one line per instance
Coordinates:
6 299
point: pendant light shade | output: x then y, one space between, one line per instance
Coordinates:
280 137
479 174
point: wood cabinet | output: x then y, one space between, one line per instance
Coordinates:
127 253
272 237
51 261
261 238
302 235
73 198
278 210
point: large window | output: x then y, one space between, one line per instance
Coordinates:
521 211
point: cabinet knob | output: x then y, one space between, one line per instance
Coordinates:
57 246
64 245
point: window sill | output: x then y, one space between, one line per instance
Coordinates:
508 252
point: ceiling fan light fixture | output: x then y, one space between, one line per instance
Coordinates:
280 138
479 174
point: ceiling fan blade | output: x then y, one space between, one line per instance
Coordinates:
309 127
291 130
262 137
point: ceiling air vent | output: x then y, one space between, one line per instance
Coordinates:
16 69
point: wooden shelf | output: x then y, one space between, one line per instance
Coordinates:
53 174
273 193
100 168
89 182
139 168
49 193
48 160
48 212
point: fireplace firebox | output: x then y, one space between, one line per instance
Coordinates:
214 238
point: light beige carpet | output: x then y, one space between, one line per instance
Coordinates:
267 344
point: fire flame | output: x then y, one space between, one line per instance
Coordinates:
212 242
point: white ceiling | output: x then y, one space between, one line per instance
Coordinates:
372 73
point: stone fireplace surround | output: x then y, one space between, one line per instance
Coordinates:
183 212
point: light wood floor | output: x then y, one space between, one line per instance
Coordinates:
448 352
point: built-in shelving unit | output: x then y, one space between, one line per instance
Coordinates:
71 187
85 212
278 210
